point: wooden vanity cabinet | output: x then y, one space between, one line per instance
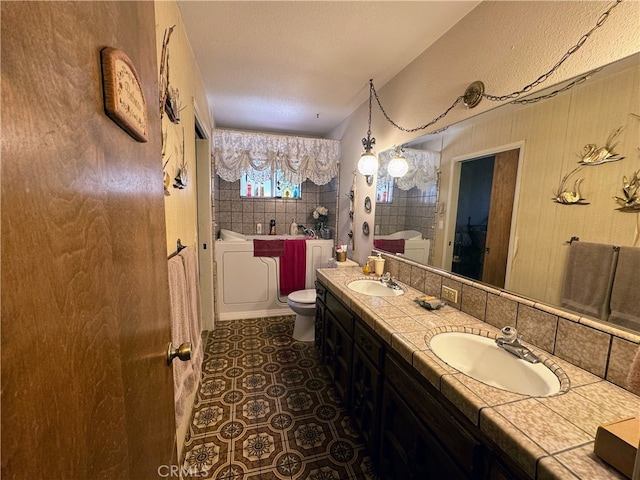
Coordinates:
321 295
366 385
338 345
410 429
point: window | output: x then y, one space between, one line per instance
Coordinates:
384 190
275 187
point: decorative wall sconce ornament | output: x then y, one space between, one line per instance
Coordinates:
181 175
398 165
368 163
569 197
166 177
631 191
594 155
173 106
367 204
169 97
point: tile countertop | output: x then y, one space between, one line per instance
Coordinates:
549 437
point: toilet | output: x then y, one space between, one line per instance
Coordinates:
303 303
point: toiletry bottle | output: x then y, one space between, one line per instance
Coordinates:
259 229
379 265
293 229
272 227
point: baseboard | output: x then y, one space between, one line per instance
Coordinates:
256 314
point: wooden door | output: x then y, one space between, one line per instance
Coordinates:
86 392
505 170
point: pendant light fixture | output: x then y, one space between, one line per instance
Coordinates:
398 166
368 163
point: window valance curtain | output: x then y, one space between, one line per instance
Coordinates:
423 168
258 155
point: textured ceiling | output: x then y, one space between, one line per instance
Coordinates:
302 67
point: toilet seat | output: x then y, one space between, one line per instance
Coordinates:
307 296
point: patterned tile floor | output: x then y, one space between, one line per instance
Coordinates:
266 409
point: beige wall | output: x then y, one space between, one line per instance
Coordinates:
181 205
507 45
181 212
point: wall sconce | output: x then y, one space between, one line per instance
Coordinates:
368 163
398 166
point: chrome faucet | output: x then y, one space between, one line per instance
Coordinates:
511 343
307 232
388 280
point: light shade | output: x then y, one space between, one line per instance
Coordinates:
368 163
398 166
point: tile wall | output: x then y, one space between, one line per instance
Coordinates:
410 210
243 214
596 347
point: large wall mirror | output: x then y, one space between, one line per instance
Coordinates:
521 153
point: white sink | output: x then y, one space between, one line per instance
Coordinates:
480 358
374 288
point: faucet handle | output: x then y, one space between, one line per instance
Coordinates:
386 276
510 334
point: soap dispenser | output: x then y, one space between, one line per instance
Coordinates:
293 229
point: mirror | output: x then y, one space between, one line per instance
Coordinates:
549 137
406 206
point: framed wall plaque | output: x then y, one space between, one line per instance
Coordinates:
124 100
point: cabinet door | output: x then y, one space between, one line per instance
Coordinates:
407 449
365 394
465 450
337 349
320 332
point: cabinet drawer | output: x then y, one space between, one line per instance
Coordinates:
340 312
466 450
369 344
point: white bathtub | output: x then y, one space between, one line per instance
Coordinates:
416 248
247 286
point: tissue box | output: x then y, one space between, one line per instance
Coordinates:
617 444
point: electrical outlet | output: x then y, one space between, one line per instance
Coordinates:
450 294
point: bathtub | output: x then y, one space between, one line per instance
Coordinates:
247 286
416 248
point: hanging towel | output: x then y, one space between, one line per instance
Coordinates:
625 296
588 278
180 333
293 266
190 263
268 248
633 379
389 245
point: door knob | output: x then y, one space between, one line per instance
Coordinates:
183 352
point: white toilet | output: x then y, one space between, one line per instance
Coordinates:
303 303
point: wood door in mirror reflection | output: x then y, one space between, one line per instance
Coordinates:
483 222
503 187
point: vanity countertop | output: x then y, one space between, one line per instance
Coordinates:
548 437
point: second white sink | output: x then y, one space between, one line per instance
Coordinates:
374 288
480 358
